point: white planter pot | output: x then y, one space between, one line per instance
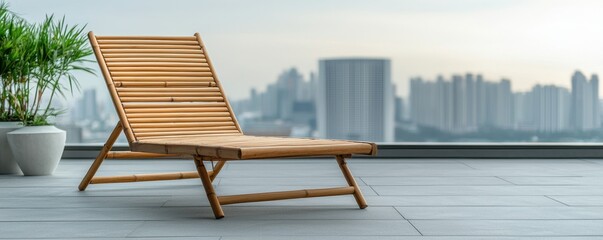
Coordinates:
37 149
7 162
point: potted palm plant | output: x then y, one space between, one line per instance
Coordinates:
15 64
58 50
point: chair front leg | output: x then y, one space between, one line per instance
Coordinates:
351 181
100 157
209 189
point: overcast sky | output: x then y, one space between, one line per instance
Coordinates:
252 42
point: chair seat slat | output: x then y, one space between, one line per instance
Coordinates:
149 121
157 64
148 46
177 114
174 105
170 94
196 129
151 59
191 79
176 110
162 74
199 127
168 89
168 125
111 56
117 70
172 99
193 52
180 38
183 133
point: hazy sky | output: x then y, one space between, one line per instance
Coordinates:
252 42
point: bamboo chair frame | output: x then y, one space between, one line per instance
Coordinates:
153 143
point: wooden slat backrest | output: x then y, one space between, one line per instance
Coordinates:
163 86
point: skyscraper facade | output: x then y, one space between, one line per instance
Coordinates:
461 105
355 99
585 102
88 108
544 109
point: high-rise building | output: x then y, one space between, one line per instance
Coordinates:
269 103
471 90
459 100
355 99
522 111
585 102
432 103
547 108
87 108
400 110
289 85
307 89
500 100
461 105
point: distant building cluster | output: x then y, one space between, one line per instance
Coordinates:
286 107
469 103
90 120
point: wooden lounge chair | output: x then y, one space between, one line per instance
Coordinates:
170 103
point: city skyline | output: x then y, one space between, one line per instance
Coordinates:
422 38
461 104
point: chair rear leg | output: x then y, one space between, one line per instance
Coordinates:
351 181
101 157
209 189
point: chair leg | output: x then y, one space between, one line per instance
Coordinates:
209 189
101 156
350 179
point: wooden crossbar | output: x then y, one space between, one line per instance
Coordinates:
269 196
134 155
145 177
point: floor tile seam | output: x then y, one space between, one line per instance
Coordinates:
460 176
516 236
411 224
511 220
373 189
466 164
479 185
556 200
474 195
77 221
506 219
503 179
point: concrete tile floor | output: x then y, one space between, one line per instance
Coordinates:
431 199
